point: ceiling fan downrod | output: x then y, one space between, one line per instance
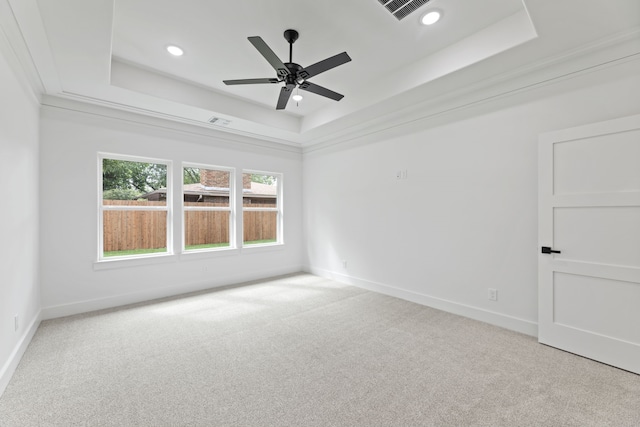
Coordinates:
291 36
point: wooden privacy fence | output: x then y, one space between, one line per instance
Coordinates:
138 229
259 225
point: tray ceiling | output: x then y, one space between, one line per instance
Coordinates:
114 53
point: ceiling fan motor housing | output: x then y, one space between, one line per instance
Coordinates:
295 76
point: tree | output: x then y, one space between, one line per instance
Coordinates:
264 179
126 175
191 175
121 194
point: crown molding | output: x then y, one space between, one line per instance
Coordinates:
615 50
179 125
88 102
13 48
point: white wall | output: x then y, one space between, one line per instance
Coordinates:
71 280
19 288
465 220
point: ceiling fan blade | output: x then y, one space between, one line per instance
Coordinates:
285 94
319 90
324 65
250 81
268 54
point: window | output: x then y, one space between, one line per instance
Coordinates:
134 206
208 200
261 208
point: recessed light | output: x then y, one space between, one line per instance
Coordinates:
430 18
175 50
297 97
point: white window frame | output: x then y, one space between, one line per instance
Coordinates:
231 208
102 208
279 209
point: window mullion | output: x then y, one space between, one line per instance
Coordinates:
133 208
207 208
260 209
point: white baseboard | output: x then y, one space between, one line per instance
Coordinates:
505 321
79 307
14 359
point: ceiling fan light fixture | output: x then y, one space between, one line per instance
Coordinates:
175 50
430 17
297 97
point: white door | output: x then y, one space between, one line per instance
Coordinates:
589 211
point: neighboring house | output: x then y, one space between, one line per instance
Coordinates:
214 188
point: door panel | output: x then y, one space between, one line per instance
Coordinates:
597 164
606 307
609 235
589 210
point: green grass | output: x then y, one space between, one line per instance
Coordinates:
134 252
219 245
259 242
207 246
189 248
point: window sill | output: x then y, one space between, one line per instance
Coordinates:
108 264
267 247
207 253
140 261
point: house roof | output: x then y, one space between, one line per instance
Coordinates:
261 189
257 190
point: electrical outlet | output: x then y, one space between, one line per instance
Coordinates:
15 323
493 294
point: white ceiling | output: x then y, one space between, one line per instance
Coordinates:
112 52
216 51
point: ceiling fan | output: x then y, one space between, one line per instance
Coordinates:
292 74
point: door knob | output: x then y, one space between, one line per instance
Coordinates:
548 250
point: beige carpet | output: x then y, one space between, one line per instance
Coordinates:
304 351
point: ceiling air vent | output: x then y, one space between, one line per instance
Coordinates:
402 8
219 122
